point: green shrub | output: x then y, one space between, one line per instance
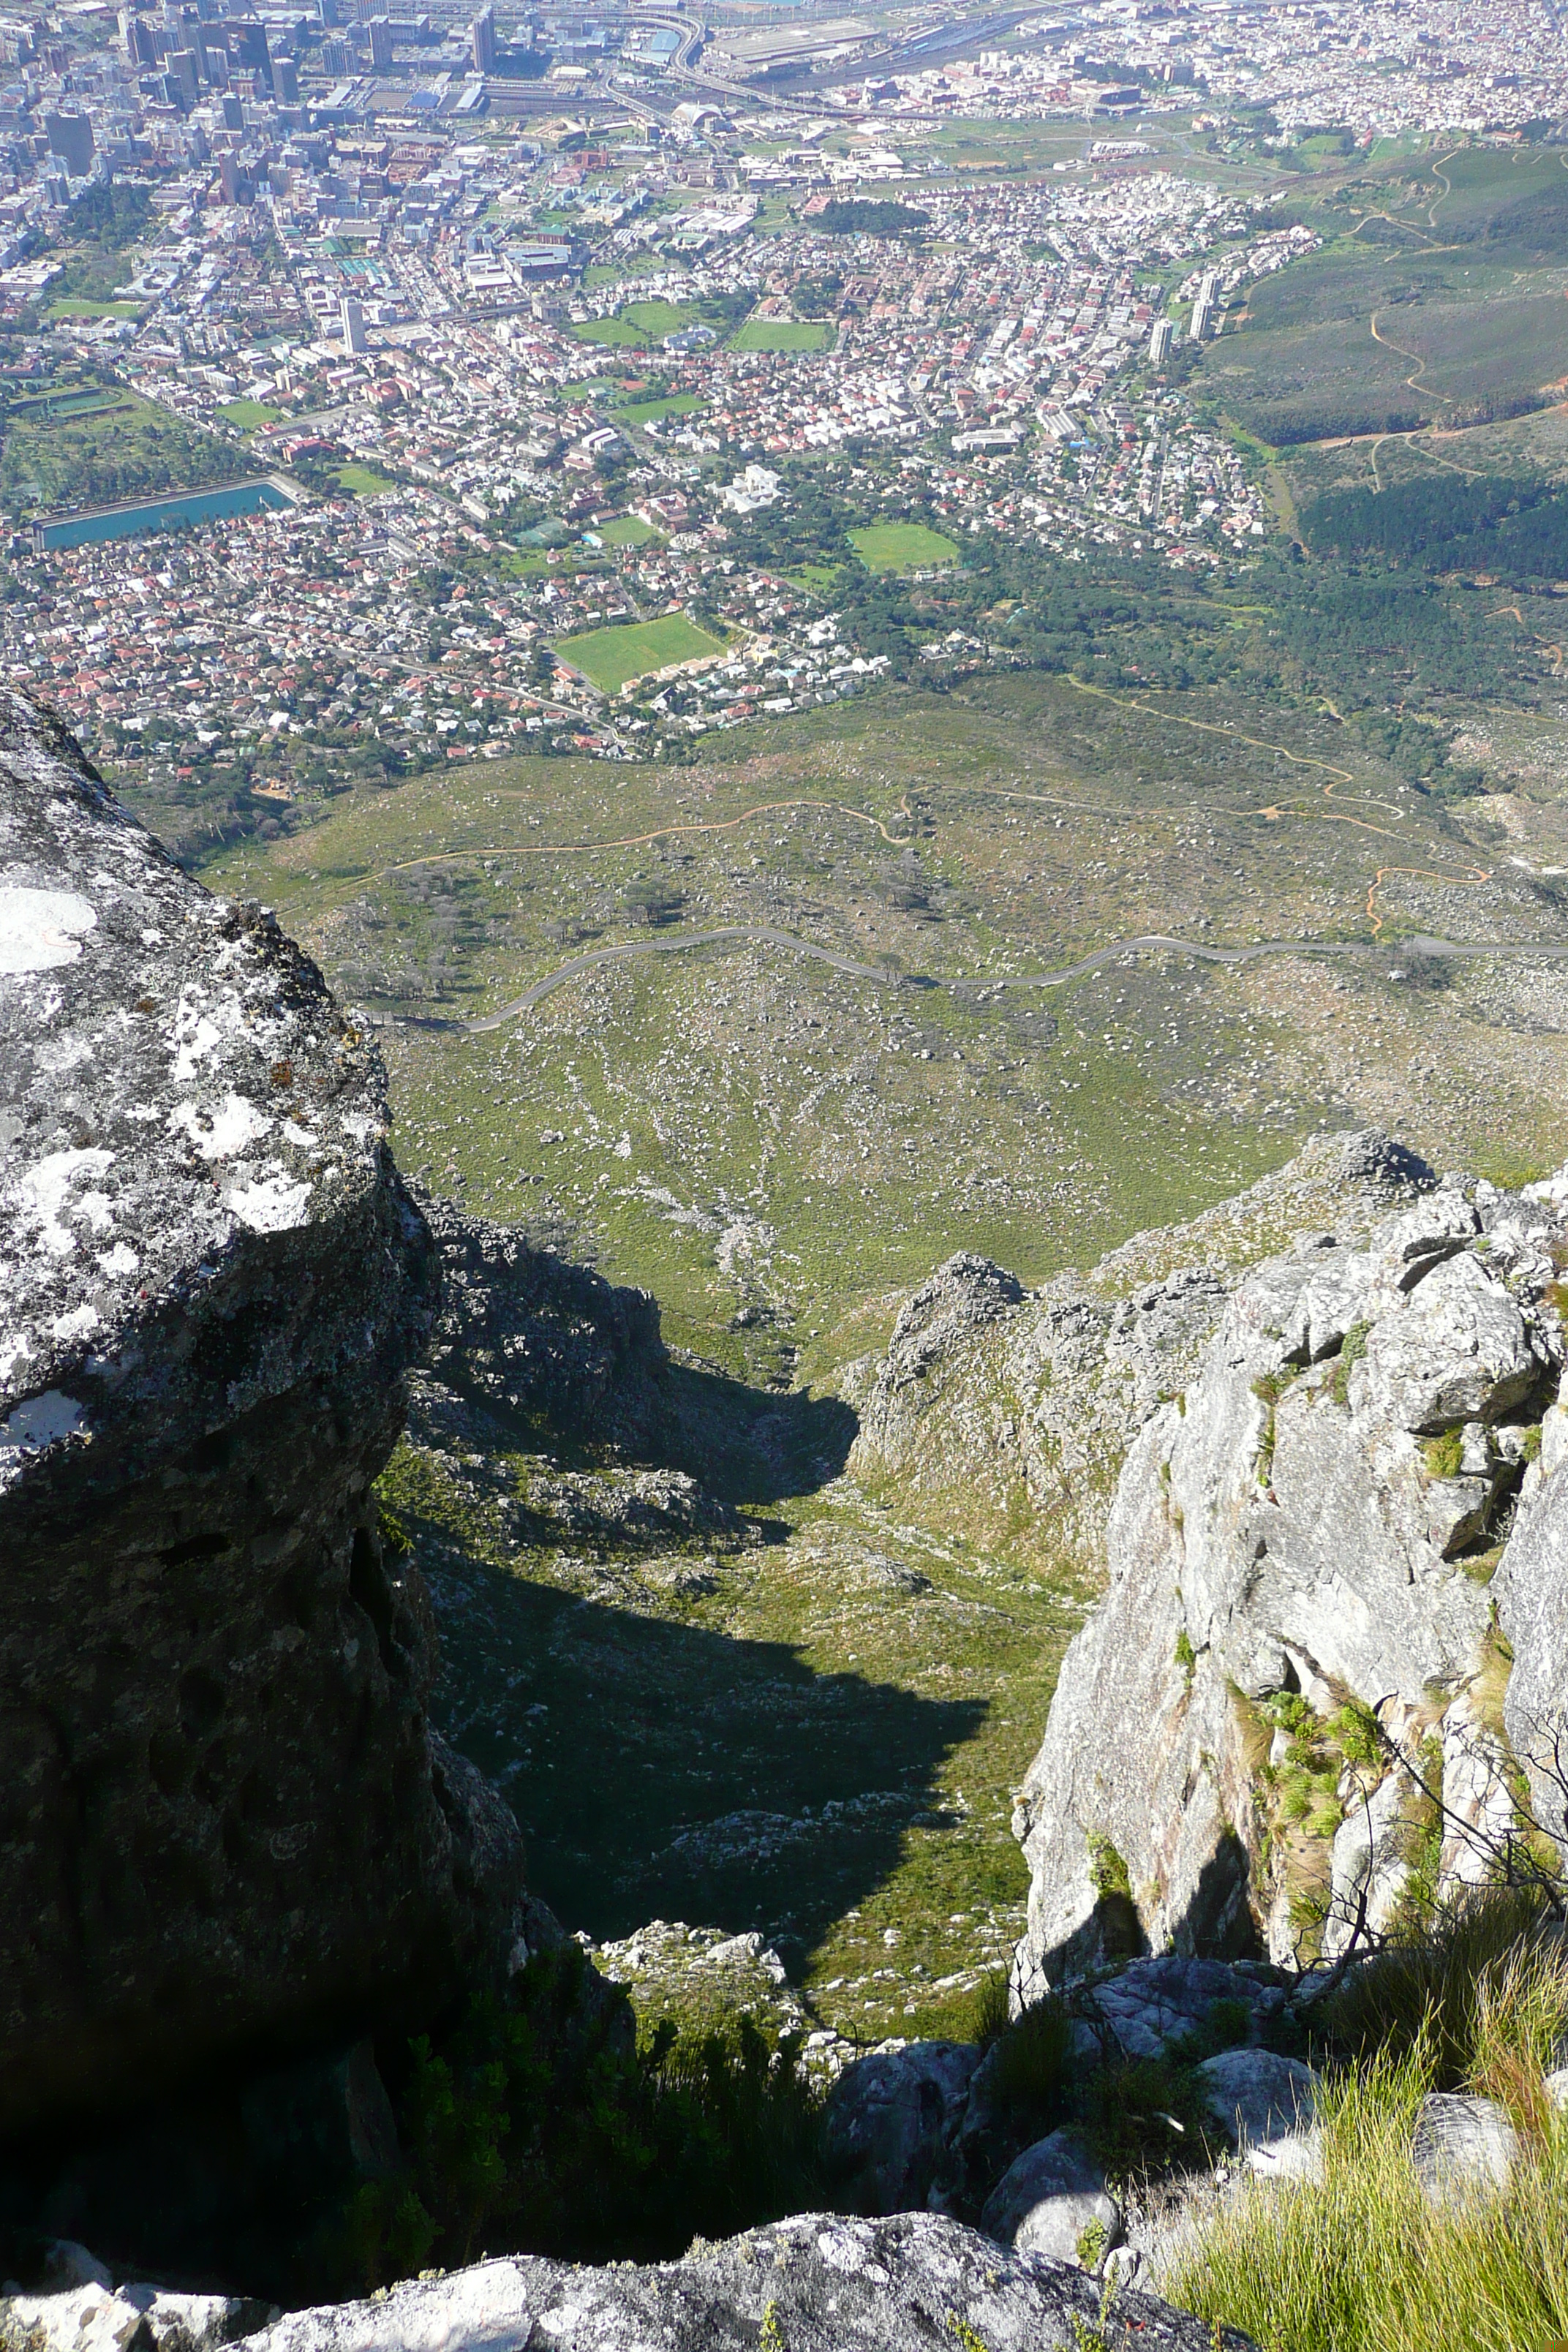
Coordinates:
1030 2069
1186 1656
534 2129
1355 1728
1145 2116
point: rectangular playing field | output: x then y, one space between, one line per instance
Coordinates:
902 547
782 335
610 659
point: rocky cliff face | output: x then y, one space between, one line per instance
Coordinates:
1010 1412
1291 1696
222 1819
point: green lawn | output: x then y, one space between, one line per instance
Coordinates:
814 578
782 335
635 322
902 547
248 415
71 306
648 412
628 530
364 481
611 658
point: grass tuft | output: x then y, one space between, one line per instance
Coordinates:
1444 1455
1031 2064
1488 1953
1358 2261
1350 1353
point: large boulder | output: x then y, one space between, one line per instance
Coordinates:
1257 2098
888 2116
224 1821
815 2284
1052 2199
1307 1522
1463 2148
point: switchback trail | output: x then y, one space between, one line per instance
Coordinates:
982 985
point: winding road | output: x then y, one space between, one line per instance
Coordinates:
983 984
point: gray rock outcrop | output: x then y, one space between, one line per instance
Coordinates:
1309 1527
989 1394
226 1822
815 2284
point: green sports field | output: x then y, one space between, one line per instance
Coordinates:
902 547
782 335
635 322
627 531
610 659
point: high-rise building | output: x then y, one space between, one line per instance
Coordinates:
380 29
337 57
71 138
285 81
236 180
180 70
247 47
1160 342
354 338
484 40
233 113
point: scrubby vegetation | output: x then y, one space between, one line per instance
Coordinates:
536 2126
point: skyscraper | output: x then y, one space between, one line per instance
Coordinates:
484 38
71 138
354 338
380 30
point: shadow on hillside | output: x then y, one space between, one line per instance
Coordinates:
750 1446
557 1360
662 1769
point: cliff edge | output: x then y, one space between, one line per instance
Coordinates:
226 1822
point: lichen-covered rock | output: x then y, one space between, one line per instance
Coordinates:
1279 1531
1150 2008
1463 2147
98 2317
817 2283
1257 2098
221 1819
